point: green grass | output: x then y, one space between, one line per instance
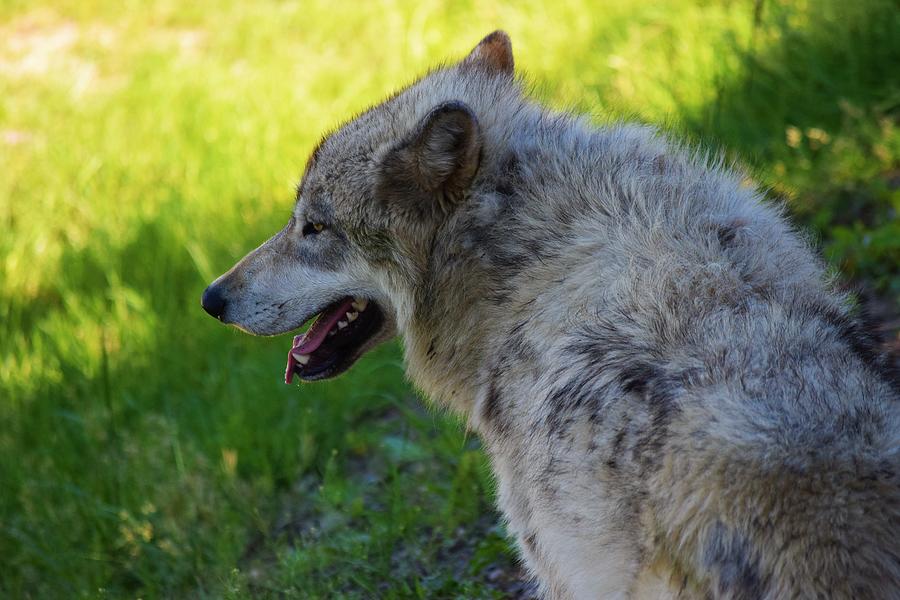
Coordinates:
146 451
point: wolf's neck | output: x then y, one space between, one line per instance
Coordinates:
446 337
492 262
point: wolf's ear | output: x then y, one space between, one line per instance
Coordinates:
493 53
435 165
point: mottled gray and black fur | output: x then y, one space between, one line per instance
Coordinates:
675 400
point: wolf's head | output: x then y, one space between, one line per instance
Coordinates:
370 203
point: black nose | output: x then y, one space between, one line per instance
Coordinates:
213 301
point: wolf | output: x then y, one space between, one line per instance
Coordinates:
676 399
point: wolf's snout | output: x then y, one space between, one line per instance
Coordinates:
213 301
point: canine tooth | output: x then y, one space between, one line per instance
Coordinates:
360 304
301 358
342 324
351 316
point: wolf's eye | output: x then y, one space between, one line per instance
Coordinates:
312 228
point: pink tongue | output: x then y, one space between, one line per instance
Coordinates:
309 342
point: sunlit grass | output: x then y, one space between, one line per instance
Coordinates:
144 147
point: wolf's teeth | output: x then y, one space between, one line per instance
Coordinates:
351 316
342 324
301 358
359 304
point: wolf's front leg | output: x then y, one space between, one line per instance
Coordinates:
574 539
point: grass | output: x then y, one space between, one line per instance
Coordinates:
147 451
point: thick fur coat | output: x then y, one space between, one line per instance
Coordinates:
675 400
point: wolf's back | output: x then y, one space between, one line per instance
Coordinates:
781 477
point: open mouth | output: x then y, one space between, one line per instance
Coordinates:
334 341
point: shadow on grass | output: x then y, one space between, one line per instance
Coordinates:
815 114
816 61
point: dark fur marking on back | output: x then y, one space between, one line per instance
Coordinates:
659 392
735 570
726 233
637 376
663 408
726 236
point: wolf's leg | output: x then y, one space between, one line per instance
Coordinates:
575 539
581 567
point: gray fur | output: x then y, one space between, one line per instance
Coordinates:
674 398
